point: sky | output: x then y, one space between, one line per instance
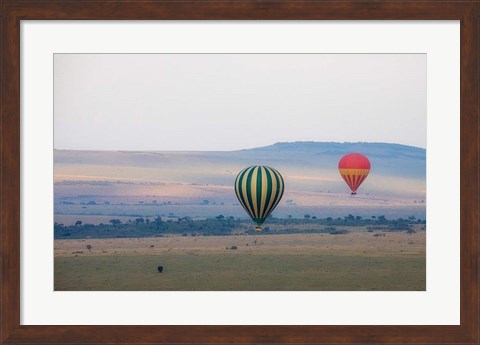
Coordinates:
222 102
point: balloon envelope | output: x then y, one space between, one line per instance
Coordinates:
259 190
354 169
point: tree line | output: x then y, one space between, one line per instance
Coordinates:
227 225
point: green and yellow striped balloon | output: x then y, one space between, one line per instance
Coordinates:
259 190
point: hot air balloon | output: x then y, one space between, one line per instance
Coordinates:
354 169
259 190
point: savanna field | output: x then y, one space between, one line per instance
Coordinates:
358 260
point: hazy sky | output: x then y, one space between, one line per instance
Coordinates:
235 101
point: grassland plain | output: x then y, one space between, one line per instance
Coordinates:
357 261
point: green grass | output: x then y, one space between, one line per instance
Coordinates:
240 271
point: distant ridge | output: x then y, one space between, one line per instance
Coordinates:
394 187
387 160
350 144
300 146
378 150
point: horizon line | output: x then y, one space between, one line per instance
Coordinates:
251 148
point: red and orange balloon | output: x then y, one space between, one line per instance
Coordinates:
354 169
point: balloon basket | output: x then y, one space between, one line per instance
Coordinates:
354 193
258 228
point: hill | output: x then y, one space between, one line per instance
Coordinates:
196 179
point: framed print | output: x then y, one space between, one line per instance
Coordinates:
247 172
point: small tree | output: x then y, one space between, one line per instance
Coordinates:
89 247
307 216
220 217
158 221
78 222
115 221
